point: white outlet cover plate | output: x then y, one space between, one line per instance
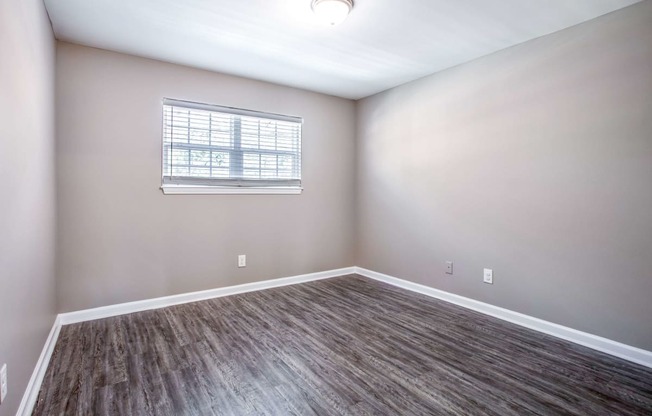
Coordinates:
489 276
3 383
242 260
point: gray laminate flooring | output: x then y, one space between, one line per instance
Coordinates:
342 346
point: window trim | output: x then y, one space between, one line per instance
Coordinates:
170 189
228 186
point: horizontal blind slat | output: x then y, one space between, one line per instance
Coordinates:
180 104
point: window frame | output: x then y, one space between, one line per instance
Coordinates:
207 186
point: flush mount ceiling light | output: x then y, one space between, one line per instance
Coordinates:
332 12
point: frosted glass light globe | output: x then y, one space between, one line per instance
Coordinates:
332 12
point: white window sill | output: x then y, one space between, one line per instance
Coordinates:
217 190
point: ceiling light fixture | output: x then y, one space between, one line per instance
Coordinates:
332 12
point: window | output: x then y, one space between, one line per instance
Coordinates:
213 149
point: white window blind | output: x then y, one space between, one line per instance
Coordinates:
210 145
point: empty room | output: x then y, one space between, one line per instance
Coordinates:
325 207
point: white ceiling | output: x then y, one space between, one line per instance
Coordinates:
383 43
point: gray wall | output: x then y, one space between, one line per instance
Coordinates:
120 239
27 199
535 161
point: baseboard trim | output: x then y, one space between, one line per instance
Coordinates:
34 386
617 349
31 393
162 302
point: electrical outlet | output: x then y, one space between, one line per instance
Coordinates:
489 276
3 383
242 260
449 267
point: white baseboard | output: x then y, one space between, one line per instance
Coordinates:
595 342
624 351
156 303
31 393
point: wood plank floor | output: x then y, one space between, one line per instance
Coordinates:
342 346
